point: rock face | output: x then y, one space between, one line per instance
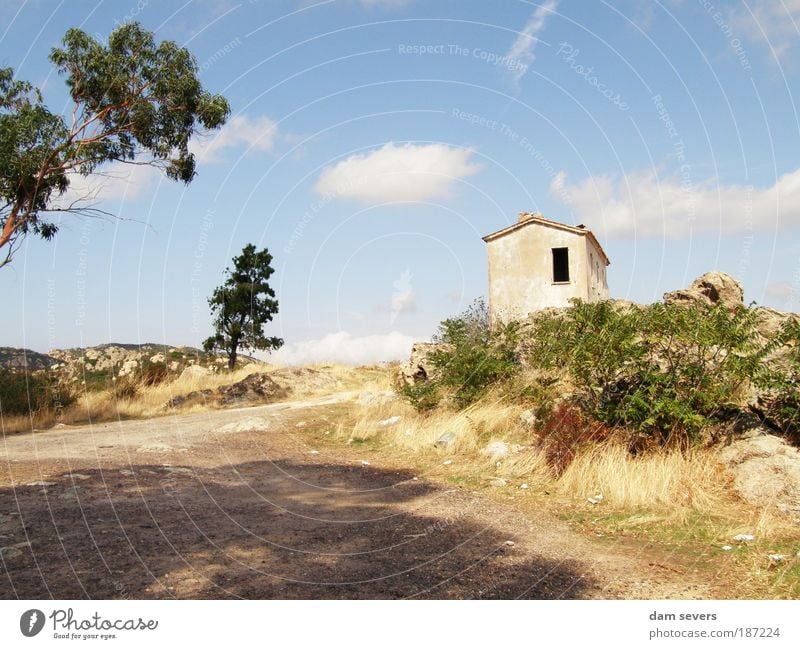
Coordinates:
712 288
12 358
769 322
256 388
419 367
194 372
766 472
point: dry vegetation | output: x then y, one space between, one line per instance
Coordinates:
136 400
676 498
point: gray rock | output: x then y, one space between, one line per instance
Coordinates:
419 367
711 288
445 440
256 388
498 482
766 472
496 450
527 419
194 372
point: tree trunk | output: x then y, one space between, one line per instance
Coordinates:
232 358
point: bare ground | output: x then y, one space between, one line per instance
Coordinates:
197 506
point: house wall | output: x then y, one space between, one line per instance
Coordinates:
597 284
521 271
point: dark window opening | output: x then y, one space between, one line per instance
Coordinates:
560 264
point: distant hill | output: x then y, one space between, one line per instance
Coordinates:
13 358
112 358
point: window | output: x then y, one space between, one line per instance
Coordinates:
560 264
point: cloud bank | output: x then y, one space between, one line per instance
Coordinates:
341 347
642 204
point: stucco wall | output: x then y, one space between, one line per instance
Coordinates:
521 271
597 285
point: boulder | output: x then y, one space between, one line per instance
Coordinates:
766 472
528 419
256 388
194 372
191 399
712 288
496 450
445 440
419 367
769 322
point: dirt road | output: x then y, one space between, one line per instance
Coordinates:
237 504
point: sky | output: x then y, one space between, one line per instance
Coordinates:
372 143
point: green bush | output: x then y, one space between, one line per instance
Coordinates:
423 395
662 370
472 357
782 380
24 393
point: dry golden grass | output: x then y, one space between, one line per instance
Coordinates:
150 400
668 481
667 478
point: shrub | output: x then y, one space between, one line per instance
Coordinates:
25 393
663 370
422 395
782 382
155 374
566 433
475 355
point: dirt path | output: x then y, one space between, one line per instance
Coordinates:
236 504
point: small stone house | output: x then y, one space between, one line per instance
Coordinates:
537 263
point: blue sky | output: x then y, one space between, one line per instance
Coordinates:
373 142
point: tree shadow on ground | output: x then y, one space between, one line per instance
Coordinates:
262 530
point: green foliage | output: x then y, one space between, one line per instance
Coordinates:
135 100
422 395
662 370
243 305
783 381
472 356
26 393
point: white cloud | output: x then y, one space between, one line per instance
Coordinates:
116 181
343 348
257 134
408 172
774 23
642 204
522 48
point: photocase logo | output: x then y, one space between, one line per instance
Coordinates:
31 622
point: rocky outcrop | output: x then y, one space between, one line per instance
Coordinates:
712 288
12 358
255 389
766 471
770 322
419 366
